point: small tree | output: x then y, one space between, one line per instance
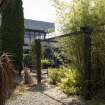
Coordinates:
12 31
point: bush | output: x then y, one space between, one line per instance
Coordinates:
12 39
70 80
55 75
72 83
45 63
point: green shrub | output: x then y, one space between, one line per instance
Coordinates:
72 82
55 75
45 63
12 31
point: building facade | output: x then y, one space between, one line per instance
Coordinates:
35 30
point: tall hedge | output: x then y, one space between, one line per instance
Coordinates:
12 31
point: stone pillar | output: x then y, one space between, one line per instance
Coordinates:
87 62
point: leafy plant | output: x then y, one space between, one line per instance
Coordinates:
55 75
71 16
45 63
72 83
69 80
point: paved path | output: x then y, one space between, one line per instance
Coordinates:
32 98
42 94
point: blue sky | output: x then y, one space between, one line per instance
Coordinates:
39 10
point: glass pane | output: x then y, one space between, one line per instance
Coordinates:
26 34
26 41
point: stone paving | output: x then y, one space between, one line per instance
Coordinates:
32 98
41 95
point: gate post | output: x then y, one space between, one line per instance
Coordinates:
38 62
36 51
87 62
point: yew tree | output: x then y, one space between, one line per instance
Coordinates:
12 31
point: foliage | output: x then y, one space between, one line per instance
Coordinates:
12 31
72 83
36 58
75 14
43 52
27 60
55 75
45 63
71 50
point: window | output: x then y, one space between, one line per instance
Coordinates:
27 33
32 34
26 41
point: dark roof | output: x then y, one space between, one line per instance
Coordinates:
38 25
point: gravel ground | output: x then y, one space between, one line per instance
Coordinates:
42 94
35 96
32 98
